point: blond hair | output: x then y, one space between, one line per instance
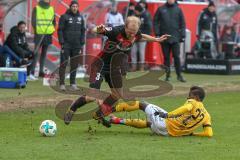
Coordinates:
133 20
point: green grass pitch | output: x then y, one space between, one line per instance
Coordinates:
20 139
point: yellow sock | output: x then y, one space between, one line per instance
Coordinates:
137 123
127 106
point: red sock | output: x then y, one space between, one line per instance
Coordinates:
116 120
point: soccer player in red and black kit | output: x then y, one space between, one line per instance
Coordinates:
110 65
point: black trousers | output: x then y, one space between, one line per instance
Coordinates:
30 56
73 54
175 48
43 51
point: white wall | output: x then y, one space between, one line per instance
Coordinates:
18 13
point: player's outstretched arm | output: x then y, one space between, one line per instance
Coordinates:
99 29
175 113
149 38
180 110
207 132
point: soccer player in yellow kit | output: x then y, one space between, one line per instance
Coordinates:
181 122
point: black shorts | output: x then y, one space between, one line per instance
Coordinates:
114 80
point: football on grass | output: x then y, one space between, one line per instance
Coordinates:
48 128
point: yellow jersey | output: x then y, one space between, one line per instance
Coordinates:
187 118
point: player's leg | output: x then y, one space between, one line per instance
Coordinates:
95 84
155 123
80 102
136 105
127 106
115 83
99 114
158 124
150 109
136 123
131 106
105 108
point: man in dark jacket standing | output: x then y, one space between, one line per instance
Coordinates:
71 34
43 23
169 19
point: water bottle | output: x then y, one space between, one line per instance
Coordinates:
8 62
36 73
46 78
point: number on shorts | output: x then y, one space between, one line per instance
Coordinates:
98 76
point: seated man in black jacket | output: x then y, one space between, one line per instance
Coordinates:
16 41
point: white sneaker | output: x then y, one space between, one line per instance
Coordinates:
73 87
62 87
32 78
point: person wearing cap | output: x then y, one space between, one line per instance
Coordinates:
128 10
144 5
43 23
207 27
140 46
71 35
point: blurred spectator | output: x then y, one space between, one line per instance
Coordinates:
71 34
114 18
237 49
16 46
236 34
169 19
140 46
144 4
43 22
2 58
2 35
129 10
194 0
227 34
207 28
227 40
